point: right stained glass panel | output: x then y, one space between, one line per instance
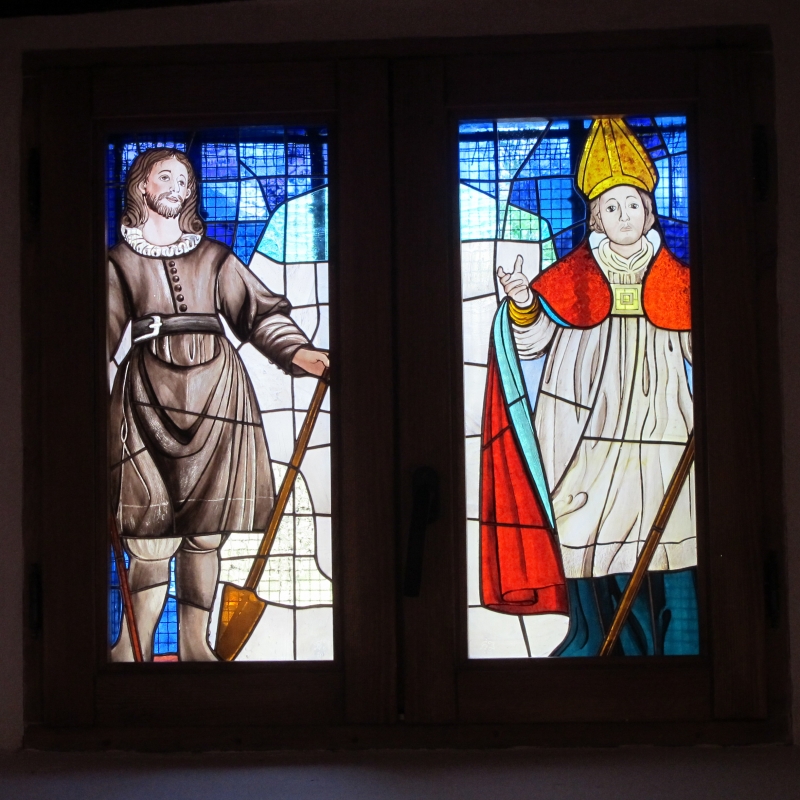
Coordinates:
579 445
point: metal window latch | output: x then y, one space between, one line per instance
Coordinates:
425 510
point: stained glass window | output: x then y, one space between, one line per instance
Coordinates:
219 416
578 387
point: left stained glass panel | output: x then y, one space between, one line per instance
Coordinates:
220 528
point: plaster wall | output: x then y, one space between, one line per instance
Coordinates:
312 20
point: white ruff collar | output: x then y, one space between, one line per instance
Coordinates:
140 245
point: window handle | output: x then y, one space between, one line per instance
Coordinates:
425 509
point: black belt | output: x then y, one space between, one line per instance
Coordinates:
162 325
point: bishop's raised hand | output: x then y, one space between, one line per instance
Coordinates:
515 284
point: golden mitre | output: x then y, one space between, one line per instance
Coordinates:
613 156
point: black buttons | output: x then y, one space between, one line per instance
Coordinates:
176 286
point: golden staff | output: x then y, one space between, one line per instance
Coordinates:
650 545
241 609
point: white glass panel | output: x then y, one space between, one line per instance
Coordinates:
280 436
322 282
304 389
315 634
473 563
474 390
493 635
305 540
317 472
478 315
322 428
477 268
324 545
240 545
301 496
321 340
312 588
545 632
473 463
273 638
307 320
273 387
234 571
277 582
269 272
301 289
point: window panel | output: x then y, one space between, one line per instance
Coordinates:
206 412
576 428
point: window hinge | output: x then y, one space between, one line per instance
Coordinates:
772 589
35 600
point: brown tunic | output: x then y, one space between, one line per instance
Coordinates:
186 443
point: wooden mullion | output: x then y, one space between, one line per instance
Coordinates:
423 193
362 366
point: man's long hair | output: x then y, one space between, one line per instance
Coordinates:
136 210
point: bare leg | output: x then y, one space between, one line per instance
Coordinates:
196 574
149 581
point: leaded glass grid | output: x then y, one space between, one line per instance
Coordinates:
518 196
263 194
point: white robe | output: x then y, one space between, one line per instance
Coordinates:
612 417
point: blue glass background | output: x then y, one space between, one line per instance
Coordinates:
262 189
252 179
515 169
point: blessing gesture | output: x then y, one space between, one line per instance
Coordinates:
515 284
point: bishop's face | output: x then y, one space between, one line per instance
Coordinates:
166 188
622 214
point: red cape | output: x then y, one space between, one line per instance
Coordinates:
521 568
576 289
521 571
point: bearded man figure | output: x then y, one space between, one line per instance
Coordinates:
188 458
573 480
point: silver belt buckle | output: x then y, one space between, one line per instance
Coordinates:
155 327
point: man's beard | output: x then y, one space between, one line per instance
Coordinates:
161 206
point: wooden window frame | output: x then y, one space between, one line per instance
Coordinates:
401 676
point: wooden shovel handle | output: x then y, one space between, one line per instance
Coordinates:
287 484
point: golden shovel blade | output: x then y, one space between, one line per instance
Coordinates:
239 613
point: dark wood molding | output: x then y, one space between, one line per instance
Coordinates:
401 677
750 37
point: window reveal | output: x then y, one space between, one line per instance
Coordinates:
577 376
261 236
